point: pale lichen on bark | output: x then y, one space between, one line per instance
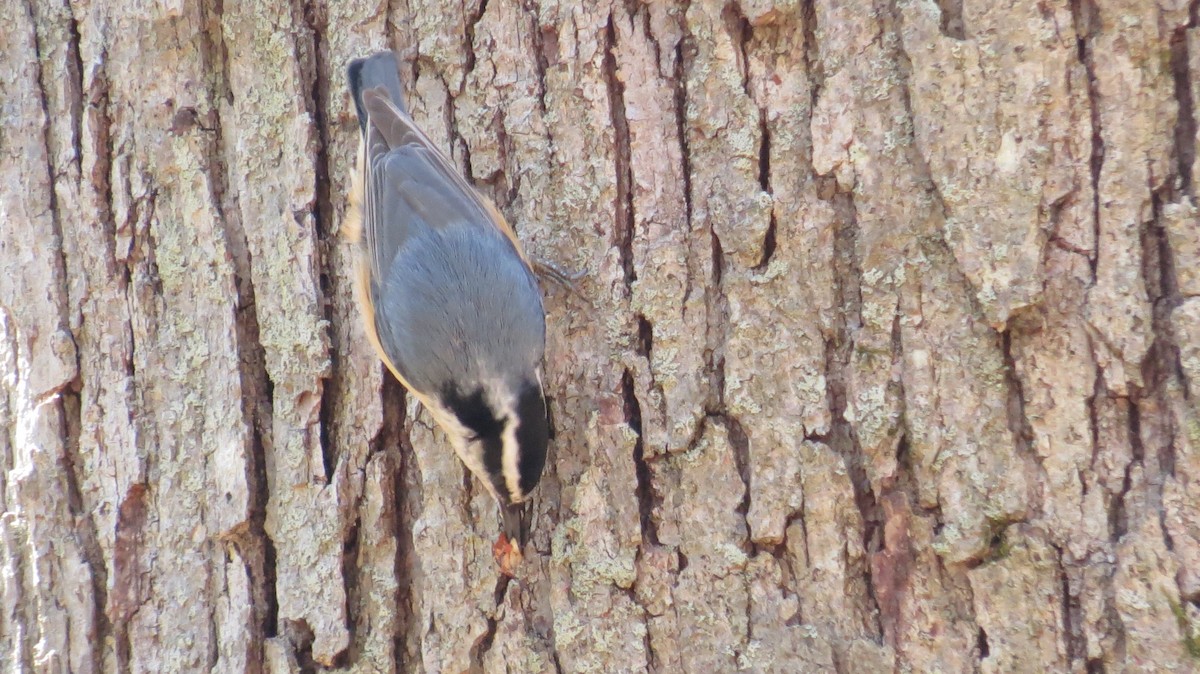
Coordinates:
887 357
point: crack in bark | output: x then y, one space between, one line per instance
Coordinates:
1085 16
128 592
300 637
1018 420
952 19
847 280
69 403
52 173
644 490
470 21
1072 612
1163 365
679 80
483 644
310 55
623 206
764 180
257 403
545 40
813 65
406 564
1185 122
84 524
1118 516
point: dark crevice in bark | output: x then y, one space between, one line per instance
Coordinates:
1162 368
679 83
715 330
52 175
1185 122
981 644
844 442
740 443
69 404
764 180
1072 613
764 152
470 21
101 175
679 79
740 33
1118 515
502 191
129 577
1135 433
645 478
769 245
623 206
545 46
1093 405
74 81
407 564
300 636
814 66
952 25
483 644
639 12
842 439
351 582
847 276
1086 18
84 525
645 340
681 126
454 140
268 613
1018 421
257 401
312 55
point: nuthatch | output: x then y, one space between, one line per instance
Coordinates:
450 300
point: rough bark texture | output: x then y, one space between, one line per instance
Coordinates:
888 358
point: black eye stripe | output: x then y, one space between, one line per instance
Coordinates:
531 433
473 412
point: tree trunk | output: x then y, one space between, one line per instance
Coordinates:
887 359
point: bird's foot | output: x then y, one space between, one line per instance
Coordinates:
552 272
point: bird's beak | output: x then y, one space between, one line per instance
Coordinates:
515 523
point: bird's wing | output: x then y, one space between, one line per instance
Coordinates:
409 180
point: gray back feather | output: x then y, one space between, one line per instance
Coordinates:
454 300
457 305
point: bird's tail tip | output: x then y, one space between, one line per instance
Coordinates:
380 69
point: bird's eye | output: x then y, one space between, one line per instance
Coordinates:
472 437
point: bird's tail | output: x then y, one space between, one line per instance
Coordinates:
377 70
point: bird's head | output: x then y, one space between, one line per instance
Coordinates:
500 430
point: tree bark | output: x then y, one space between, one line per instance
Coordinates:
887 359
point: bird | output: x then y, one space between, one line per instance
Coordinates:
450 301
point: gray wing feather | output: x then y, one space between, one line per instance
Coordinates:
409 184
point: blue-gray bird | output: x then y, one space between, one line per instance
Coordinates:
450 300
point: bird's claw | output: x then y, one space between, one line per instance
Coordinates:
549 270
